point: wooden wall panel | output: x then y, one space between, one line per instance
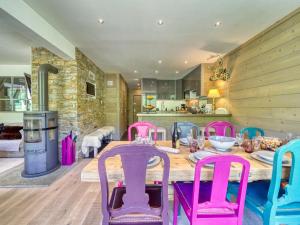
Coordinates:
264 89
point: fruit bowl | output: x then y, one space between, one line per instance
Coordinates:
221 143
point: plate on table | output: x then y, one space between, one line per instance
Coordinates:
153 161
194 157
168 149
268 158
184 141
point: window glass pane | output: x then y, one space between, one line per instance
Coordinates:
20 105
5 105
19 88
5 87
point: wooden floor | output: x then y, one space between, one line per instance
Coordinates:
67 201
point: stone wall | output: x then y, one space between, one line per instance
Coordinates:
90 110
77 112
62 89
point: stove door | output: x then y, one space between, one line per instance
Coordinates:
33 130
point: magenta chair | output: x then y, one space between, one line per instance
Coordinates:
205 203
142 129
135 203
220 128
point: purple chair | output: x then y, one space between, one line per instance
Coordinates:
220 128
205 203
135 203
142 129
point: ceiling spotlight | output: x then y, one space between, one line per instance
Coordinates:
156 71
101 21
218 23
159 61
176 71
185 62
135 71
160 22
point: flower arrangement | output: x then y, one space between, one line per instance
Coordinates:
220 72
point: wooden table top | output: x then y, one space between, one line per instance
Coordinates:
181 169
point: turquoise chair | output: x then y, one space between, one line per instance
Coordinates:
251 131
268 200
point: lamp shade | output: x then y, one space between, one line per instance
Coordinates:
213 93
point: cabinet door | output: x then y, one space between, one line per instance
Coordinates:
179 91
162 89
149 85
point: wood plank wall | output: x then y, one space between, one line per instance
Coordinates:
264 89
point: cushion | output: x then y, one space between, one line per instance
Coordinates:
12 129
116 202
185 194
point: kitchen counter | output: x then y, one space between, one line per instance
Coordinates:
180 114
167 119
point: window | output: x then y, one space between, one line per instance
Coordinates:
14 94
91 89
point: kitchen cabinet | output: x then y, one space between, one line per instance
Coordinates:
149 85
166 89
178 89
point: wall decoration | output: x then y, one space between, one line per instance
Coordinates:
219 71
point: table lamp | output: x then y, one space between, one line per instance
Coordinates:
213 93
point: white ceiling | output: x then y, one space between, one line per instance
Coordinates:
15 48
130 38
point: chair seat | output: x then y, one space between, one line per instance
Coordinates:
155 201
185 194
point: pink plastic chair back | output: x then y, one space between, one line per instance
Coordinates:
220 128
142 130
218 202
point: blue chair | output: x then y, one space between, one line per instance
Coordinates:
185 128
268 200
252 131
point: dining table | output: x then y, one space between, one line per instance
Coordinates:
181 167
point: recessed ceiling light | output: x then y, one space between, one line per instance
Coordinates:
136 79
160 22
176 71
101 21
159 61
218 23
185 62
156 71
135 71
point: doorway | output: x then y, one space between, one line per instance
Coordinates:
137 106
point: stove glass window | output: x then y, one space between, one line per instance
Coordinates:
32 130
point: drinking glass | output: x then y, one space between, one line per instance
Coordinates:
256 143
201 142
239 139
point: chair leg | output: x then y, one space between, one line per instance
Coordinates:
175 208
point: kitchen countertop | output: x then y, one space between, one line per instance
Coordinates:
181 114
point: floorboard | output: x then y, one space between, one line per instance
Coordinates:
68 201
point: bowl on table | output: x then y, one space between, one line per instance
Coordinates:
221 143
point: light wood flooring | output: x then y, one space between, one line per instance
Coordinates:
66 202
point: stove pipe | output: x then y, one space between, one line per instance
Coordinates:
44 69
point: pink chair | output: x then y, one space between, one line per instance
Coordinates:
142 129
205 203
220 128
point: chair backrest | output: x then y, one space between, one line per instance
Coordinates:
218 192
134 160
291 191
220 128
142 129
252 131
185 128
